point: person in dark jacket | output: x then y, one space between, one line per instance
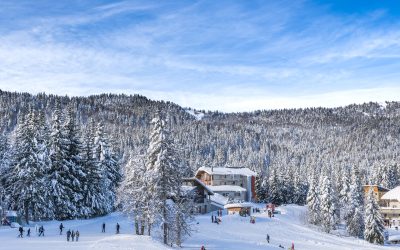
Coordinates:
21 231
61 228
268 238
41 231
118 228
28 233
77 235
103 228
68 234
73 235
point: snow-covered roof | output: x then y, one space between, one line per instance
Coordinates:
219 199
393 194
243 204
227 188
227 171
194 179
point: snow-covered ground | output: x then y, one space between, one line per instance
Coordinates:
234 232
237 232
197 114
90 236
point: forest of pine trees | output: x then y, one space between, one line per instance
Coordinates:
56 169
73 151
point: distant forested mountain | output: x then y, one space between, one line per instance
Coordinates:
285 146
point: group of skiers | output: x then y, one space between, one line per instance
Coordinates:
70 234
39 230
73 235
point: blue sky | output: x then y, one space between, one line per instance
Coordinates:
217 55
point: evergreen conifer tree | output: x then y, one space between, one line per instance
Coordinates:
313 202
328 205
374 226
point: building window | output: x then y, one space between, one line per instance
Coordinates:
237 194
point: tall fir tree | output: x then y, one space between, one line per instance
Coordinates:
374 225
274 188
28 176
108 165
93 188
60 174
133 193
162 167
74 163
328 205
355 207
313 202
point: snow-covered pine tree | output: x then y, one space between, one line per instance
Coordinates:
109 166
344 194
28 176
374 226
73 161
328 205
133 192
313 201
162 169
181 212
354 215
5 169
261 190
61 177
274 187
389 175
93 193
299 189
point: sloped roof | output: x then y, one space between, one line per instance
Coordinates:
194 179
393 194
227 171
243 204
219 200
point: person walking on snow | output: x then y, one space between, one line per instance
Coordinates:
73 235
212 218
41 231
103 230
268 238
21 231
117 228
61 228
77 235
28 233
68 234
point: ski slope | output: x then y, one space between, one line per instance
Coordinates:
237 232
233 233
90 236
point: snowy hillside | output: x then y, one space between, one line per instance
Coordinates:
234 232
196 114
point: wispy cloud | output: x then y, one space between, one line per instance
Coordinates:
221 55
